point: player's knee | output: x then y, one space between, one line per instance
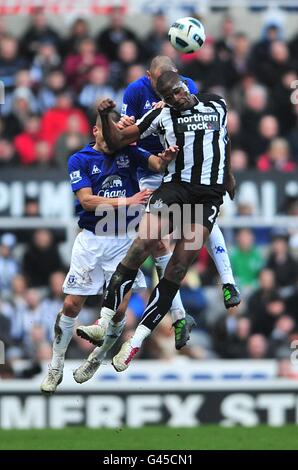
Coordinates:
162 248
72 306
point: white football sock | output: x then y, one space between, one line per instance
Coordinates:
62 340
217 249
140 334
106 316
177 310
113 333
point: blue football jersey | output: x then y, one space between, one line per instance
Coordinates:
109 176
137 101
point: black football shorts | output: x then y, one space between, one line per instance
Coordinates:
196 203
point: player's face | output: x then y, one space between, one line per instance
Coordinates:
176 95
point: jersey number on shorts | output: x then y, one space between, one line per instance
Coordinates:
213 215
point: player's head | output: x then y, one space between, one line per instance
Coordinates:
173 90
97 131
159 64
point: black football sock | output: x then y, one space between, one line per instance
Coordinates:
121 282
159 303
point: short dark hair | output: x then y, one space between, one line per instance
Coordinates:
166 78
115 116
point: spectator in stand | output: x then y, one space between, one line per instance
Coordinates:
55 84
277 158
239 160
204 68
279 345
79 30
261 50
278 63
230 337
41 259
22 80
77 66
38 32
283 102
95 87
256 98
45 60
238 65
44 155
8 265
8 157
156 37
128 54
257 347
293 134
53 303
22 108
234 128
25 143
265 305
282 262
69 142
10 61
268 130
109 40
246 259
225 43
55 120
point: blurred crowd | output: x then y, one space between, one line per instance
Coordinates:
52 82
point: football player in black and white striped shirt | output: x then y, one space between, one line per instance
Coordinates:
198 177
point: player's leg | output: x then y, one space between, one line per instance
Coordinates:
88 368
124 277
162 254
64 326
162 296
84 278
217 249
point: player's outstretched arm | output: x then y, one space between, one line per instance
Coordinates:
114 137
90 202
230 181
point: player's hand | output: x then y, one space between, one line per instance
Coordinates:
141 197
169 154
158 105
230 185
125 121
105 105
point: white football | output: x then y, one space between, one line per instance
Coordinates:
187 35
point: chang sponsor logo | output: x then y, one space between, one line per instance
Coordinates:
112 187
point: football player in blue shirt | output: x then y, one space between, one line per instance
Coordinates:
139 97
105 184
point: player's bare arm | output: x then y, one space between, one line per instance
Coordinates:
114 137
160 162
90 202
230 181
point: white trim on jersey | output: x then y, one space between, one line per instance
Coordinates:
200 133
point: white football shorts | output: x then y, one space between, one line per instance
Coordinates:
150 182
93 261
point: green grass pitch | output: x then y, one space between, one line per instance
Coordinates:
208 437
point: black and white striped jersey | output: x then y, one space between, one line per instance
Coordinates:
200 133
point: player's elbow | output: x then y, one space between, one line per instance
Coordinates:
85 203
